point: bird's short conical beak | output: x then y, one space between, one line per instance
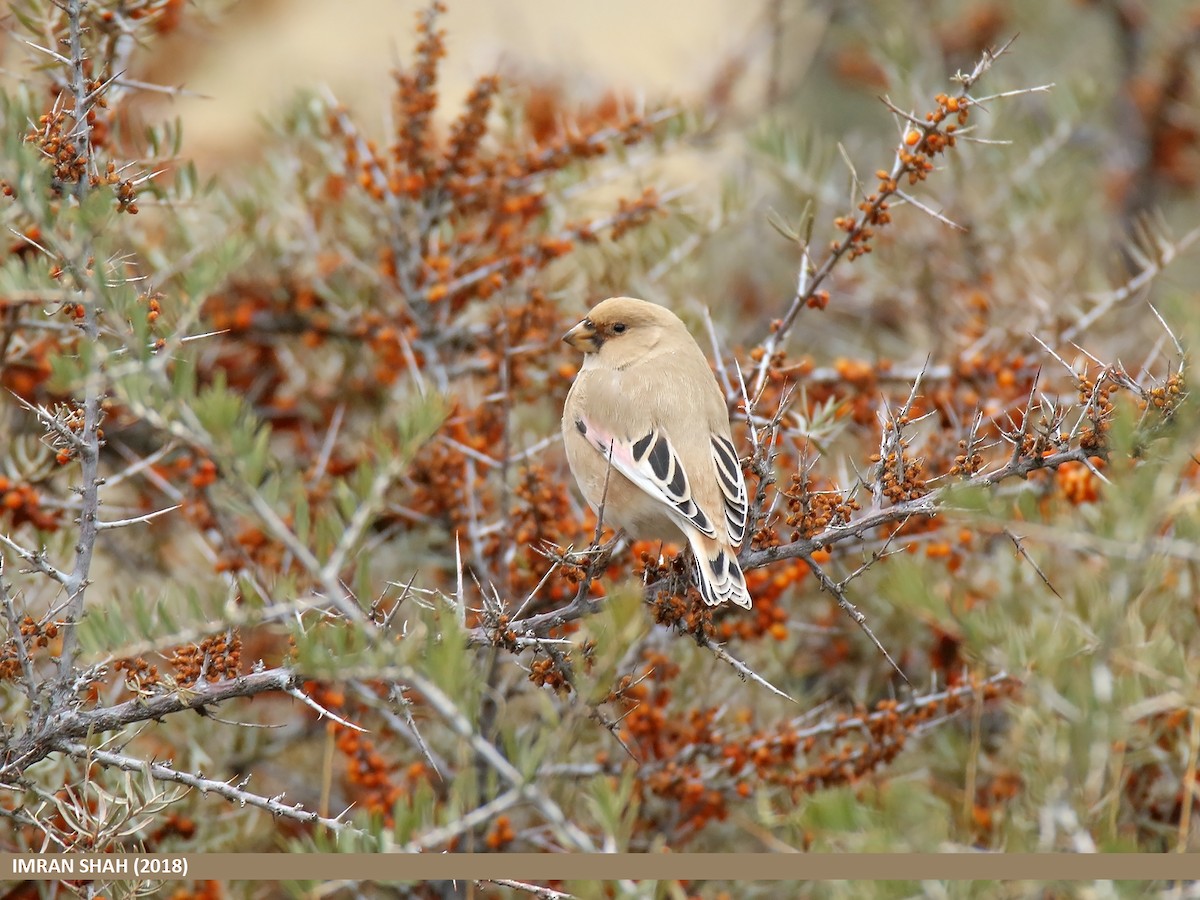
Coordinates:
583 337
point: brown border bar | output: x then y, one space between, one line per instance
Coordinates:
636 866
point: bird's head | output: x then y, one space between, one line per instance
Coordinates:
623 329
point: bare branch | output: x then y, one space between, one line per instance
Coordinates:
233 792
136 520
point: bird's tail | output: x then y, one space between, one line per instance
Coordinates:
718 575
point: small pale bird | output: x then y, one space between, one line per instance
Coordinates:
646 415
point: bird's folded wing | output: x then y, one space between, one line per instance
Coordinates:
652 464
733 488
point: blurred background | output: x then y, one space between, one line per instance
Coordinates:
787 97
259 54
786 92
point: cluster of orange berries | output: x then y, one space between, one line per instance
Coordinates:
215 658
543 515
922 144
991 798
885 731
501 834
874 209
1043 440
255 546
651 564
416 93
545 671
818 300
944 548
202 472
139 674
550 247
1158 791
854 745
1097 401
646 725
859 234
440 473
585 140
979 366
470 127
1168 395
683 611
126 194
968 462
1078 483
903 478
633 213
778 358
126 197
70 418
915 155
765 753
10 665
38 635
56 136
154 306
23 503
633 690
848 764
768 617
368 771
811 511
546 504
76 311
32 634
856 372
493 199
51 137
695 800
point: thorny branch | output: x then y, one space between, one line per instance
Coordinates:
76 723
928 505
89 452
521 787
912 161
234 792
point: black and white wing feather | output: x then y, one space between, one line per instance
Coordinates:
652 464
733 488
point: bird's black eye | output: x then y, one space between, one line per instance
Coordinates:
619 328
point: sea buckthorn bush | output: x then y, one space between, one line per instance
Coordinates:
291 558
